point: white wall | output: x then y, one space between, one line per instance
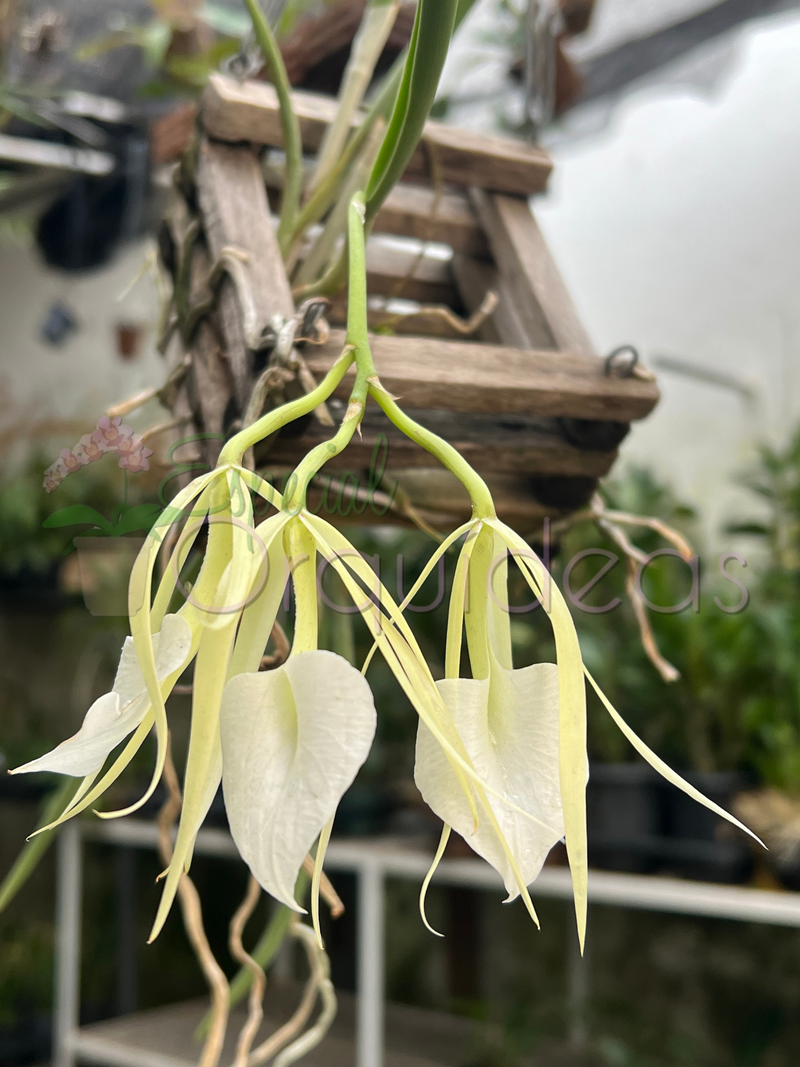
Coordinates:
40 384
678 229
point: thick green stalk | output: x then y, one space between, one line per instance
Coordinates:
358 338
292 142
234 450
449 457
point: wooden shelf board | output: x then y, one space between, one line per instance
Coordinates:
164 1037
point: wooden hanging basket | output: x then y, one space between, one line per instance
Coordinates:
525 398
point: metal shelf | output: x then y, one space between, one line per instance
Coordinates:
373 861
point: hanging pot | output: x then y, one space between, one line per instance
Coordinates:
700 845
624 817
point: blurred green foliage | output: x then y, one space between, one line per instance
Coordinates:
26 544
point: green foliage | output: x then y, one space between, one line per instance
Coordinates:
737 702
30 537
26 977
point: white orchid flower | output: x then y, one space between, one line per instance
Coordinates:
116 714
524 729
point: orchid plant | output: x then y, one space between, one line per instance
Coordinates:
501 755
501 751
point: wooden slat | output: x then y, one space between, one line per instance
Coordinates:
416 211
511 444
233 203
403 272
528 270
424 322
463 376
474 278
413 210
209 385
248 111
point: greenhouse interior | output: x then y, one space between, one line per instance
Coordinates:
400 533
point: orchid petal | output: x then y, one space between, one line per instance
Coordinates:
139 611
509 726
663 768
573 767
437 859
212 671
116 714
293 740
403 656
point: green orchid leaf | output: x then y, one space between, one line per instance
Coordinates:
78 515
139 517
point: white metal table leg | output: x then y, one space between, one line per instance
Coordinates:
66 1013
370 975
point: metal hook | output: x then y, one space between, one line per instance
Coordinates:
617 367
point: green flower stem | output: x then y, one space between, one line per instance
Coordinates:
292 142
358 338
482 503
234 450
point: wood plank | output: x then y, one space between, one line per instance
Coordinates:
398 271
474 279
510 444
465 376
423 322
528 269
248 111
60 157
209 384
413 210
233 202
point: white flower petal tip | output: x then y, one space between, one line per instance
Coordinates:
116 714
293 740
509 727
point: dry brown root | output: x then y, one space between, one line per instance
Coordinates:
255 1011
193 923
318 984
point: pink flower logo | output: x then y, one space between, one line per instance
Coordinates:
136 460
73 461
110 435
91 448
54 476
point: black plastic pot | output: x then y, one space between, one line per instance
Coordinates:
624 817
701 845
